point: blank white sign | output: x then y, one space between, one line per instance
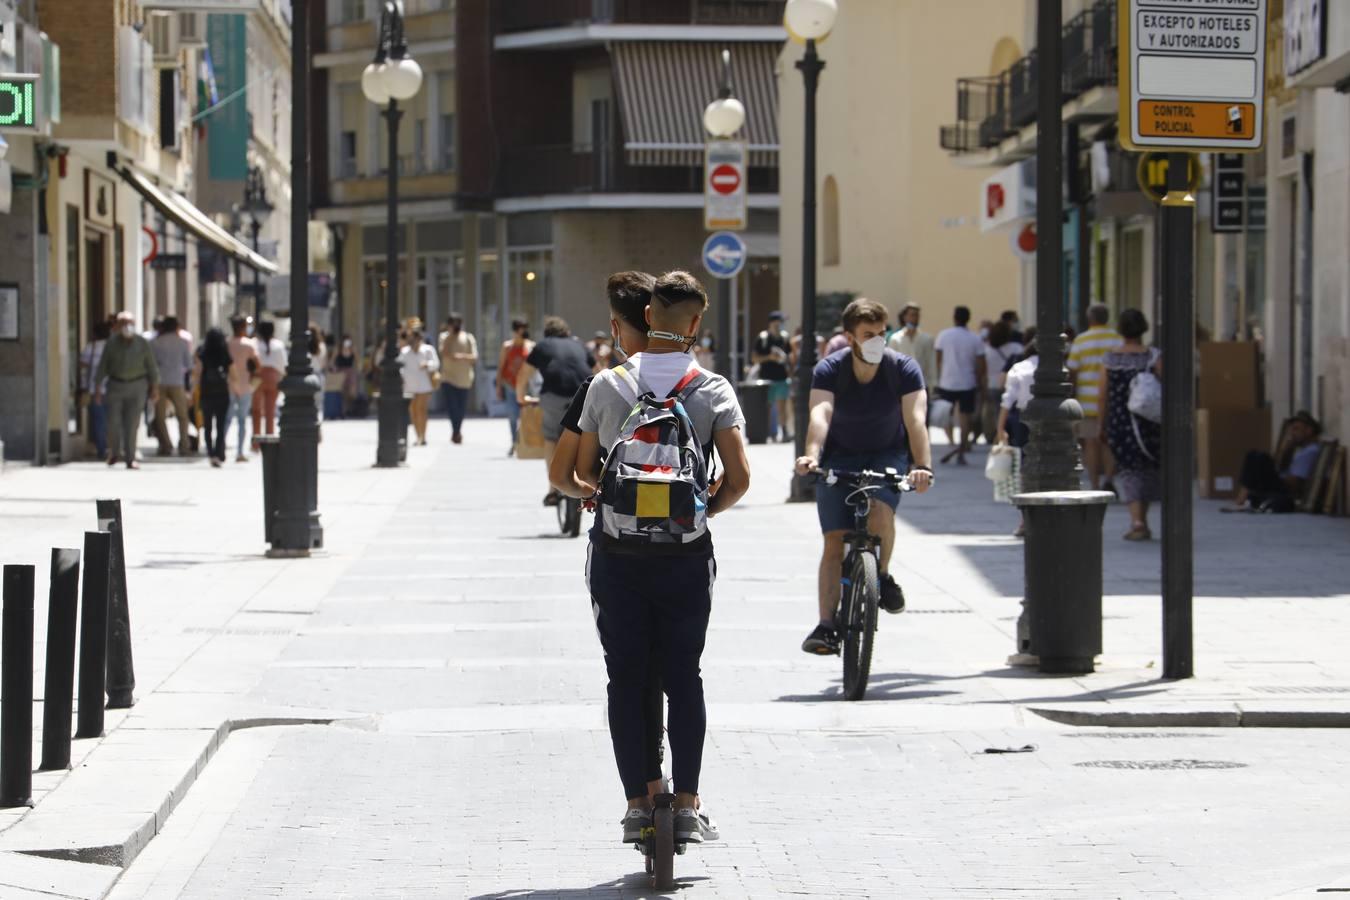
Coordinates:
1198 78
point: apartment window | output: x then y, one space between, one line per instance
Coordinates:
347 155
447 142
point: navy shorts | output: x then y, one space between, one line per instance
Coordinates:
832 506
964 401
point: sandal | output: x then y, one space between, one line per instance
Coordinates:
1139 533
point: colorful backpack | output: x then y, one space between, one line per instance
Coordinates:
654 486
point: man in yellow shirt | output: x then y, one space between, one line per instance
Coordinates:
1085 368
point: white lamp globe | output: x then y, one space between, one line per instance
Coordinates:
724 117
403 78
373 84
810 20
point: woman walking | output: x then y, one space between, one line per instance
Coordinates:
418 361
1135 442
510 360
211 378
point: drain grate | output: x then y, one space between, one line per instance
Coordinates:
1303 689
1139 735
1153 764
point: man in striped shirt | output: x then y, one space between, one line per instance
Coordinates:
1085 368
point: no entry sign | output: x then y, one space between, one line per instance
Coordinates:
724 200
1192 74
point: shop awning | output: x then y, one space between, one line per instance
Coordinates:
197 223
664 86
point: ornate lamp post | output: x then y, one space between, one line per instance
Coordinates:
259 208
810 20
722 118
296 529
391 77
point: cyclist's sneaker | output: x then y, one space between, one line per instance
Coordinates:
822 641
892 598
707 827
633 822
688 827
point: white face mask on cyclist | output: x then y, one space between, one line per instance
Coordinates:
873 350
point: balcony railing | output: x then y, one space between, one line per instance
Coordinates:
526 15
579 169
990 109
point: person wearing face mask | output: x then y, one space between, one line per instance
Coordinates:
128 364
917 344
869 410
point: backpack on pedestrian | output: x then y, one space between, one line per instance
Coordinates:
654 484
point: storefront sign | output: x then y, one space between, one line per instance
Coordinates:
18 103
169 261
1192 74
1305 34
1008 196
1228 193
100 199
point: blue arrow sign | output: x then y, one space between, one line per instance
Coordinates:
724 254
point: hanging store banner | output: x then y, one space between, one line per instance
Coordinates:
1192 74
227 120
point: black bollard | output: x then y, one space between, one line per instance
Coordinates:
121 672
59 687
16 688
94 634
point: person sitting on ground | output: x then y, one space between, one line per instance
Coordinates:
1265 484
651 590
869 410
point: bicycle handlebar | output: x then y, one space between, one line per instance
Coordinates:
888 477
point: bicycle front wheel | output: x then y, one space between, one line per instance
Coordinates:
859 618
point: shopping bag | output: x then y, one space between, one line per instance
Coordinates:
1010 484
940 414
999 466
531 442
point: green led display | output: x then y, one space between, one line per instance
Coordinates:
18 102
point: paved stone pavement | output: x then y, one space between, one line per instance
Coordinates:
470 757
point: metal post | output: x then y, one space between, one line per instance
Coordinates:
59 687
259 301
16 687
733 336
94 634
393 427
810 64
1177 331
1051 462
121 672
724 316
297 529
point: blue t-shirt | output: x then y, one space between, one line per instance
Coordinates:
1304 461
867 417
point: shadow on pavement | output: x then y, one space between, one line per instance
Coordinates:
630 887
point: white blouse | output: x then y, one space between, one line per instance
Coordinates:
417 367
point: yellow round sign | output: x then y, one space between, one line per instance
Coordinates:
1152 174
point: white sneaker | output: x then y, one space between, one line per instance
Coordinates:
707 827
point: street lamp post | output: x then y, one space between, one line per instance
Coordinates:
722 118
391 77
296 529
258 207
810 20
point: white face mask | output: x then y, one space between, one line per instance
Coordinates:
873 350
128 331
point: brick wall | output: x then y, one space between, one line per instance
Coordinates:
86 30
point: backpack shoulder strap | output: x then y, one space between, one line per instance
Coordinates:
693 379
630 387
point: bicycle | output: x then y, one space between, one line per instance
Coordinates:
569 516
860 587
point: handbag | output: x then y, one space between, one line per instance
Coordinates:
1145 399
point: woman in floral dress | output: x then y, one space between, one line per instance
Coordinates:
1136 443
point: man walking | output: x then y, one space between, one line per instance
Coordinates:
459 361
1085 369
771 351
960 365
132 376
173 356
917 345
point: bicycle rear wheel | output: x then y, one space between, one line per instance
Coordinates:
859 617
663 851
569 516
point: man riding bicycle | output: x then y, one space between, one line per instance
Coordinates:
869 410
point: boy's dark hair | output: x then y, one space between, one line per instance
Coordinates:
962 316
169 325
677 288
556 326
1000 333
863 310
1009 316
629 295
1132 324
267 329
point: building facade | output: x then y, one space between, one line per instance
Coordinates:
896 222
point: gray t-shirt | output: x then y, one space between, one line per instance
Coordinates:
711 408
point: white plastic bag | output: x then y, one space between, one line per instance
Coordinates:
1010 485
940 414
1146 397
999 465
